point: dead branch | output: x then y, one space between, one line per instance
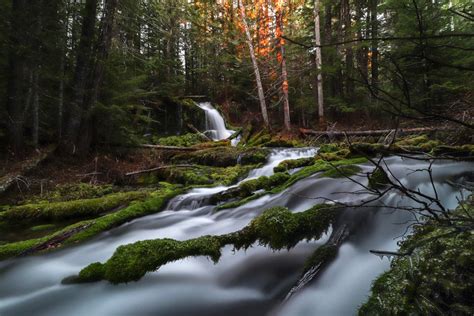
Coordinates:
158 168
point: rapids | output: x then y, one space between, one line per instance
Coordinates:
251 282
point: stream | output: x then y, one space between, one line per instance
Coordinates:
252 282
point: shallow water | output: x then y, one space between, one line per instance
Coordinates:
251 282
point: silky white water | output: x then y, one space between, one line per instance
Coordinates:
215 124
251 282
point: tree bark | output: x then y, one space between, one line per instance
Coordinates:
15 75
35 109
318 62
282 60
374 46
368 133
261 95
84 59
101 55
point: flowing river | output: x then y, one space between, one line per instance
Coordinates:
252 282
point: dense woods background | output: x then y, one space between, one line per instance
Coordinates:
82 73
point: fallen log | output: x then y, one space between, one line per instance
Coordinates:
162 147
322 257
56 241
8 180
370 132
158 168
195 130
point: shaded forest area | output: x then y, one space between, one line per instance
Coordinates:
87 73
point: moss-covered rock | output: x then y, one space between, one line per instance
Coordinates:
438 279
342 171
378 178
186 140
247 188
277 228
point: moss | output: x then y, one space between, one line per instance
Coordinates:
320 256
437 280
71 209
247 188
186 140
378 178
319 166
341 172
195 175
156 201
240 202
223 156
68 192
465 151
277 228
290 164
43 227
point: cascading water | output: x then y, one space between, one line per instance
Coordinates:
215 124
251 282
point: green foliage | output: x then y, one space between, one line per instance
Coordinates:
438 279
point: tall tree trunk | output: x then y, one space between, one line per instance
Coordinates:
375 45
362 63
261 95
349 58
318 62
35 109
16 75
101 55
83 62
282 60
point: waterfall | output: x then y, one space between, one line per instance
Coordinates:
251 282
215 124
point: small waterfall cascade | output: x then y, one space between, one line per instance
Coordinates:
215 124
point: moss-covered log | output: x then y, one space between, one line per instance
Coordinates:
71 209
277 228
153 204
223 156
193 175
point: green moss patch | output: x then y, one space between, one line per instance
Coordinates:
223 156
196 175
83 230
71 209
277 228
186 140
438 279
290 164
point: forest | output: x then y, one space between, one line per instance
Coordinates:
234 157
